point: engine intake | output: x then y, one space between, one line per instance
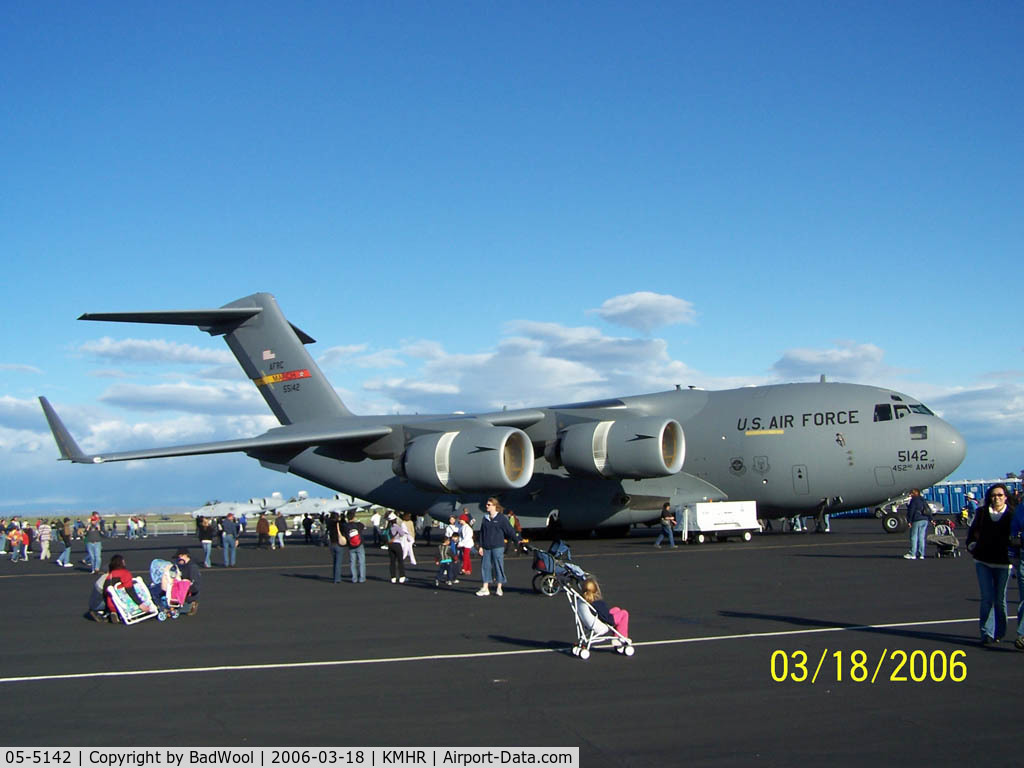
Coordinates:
479 459
632 448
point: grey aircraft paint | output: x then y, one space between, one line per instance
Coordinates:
792 448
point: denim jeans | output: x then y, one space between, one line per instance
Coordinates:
336 553
357 562
65 556
207 546
666 530
1020 605
229 550
95 550
280 539
992 612
918 531
492 567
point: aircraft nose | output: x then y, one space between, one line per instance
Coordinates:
950 447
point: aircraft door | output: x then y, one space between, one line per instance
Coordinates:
801 485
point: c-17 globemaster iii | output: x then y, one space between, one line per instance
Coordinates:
795 449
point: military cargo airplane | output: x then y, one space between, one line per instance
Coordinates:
804 448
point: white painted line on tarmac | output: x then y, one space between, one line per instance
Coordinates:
460 656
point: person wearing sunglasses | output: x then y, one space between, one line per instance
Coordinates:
988 541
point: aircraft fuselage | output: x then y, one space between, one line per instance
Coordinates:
790 447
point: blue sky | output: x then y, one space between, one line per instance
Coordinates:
474 204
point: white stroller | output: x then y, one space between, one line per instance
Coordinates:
590 630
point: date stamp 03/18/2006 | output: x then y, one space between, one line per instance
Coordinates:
892 666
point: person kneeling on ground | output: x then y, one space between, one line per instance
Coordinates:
189 571
117 573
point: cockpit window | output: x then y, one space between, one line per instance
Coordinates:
883 412
901 411
922 409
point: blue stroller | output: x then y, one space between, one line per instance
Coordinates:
552 568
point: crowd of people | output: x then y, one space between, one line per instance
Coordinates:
994 539
20 539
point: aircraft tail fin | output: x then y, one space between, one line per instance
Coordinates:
269 349
69 450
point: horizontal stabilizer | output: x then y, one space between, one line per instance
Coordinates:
201 317
211 320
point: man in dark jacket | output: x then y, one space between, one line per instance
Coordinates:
918 514
493 531
229 537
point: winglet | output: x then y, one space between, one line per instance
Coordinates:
69 450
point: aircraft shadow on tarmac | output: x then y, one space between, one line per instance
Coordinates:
803 621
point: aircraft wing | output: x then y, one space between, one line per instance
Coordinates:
69 450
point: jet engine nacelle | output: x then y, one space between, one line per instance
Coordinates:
480 459
268 502
634 448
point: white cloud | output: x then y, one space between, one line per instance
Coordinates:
543 363
153 351
110 373
228 372
19 414
234 398
993 410
847 361
19 368
334 355
646 311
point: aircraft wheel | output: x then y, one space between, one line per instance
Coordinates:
700 538
747 536
584 653
893 523
629 650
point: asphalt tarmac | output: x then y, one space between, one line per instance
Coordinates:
865 646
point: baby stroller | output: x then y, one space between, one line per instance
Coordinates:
127 609
591 631
168 587
550 567
945 541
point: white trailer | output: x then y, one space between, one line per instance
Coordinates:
721 519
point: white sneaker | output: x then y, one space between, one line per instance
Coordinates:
394 580
483 591
401 579
498 591
908 556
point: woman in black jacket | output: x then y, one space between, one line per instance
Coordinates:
988 540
